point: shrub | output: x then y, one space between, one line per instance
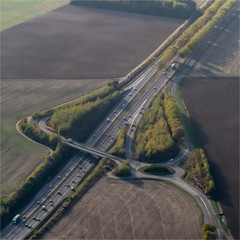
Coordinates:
209 231
123 170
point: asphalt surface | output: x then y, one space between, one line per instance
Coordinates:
73 172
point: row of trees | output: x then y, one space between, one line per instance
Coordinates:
34 182
172 114
119 147
77 120
198 38
154 141
166 8
36 134
188 34
198 171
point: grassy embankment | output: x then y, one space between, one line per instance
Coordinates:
123 170
196 33
15 12
159 130
74 113
156 170
119 147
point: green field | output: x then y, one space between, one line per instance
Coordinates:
14 12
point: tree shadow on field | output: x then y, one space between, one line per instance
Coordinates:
136 182
221 184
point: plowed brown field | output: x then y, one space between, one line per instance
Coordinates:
136 209
213 104
76 42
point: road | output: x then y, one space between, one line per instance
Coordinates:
60 187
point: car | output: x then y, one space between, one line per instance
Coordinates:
51 203
73 181
123 105
59 192
79 175
140 113
133 125
26 225
73 189
29 226
38 202
94 135
68 185
108 119
132 130
24 217
115 111
34 218
130 116
80 168
50 200
155 88
70 140
59 177
38 219
43 207
171 160
50 185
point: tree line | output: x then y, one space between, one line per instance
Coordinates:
78 120
119 147
193 36
195 41
33 131
165 8
198 171
154 141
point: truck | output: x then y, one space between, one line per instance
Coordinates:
16 219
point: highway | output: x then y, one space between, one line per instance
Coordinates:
60 187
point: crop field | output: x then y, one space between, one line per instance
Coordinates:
81 43
17 11
135 209
21 98
213 104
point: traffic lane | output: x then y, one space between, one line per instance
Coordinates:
64 192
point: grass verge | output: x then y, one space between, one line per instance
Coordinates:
157 170
185 117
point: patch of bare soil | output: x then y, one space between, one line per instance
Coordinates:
136 209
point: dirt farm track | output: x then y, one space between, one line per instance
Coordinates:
75 42
134 209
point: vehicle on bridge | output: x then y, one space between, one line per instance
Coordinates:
70 140
16 219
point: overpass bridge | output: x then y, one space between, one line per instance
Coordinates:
91 150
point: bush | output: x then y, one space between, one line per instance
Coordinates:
209 231
123 170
